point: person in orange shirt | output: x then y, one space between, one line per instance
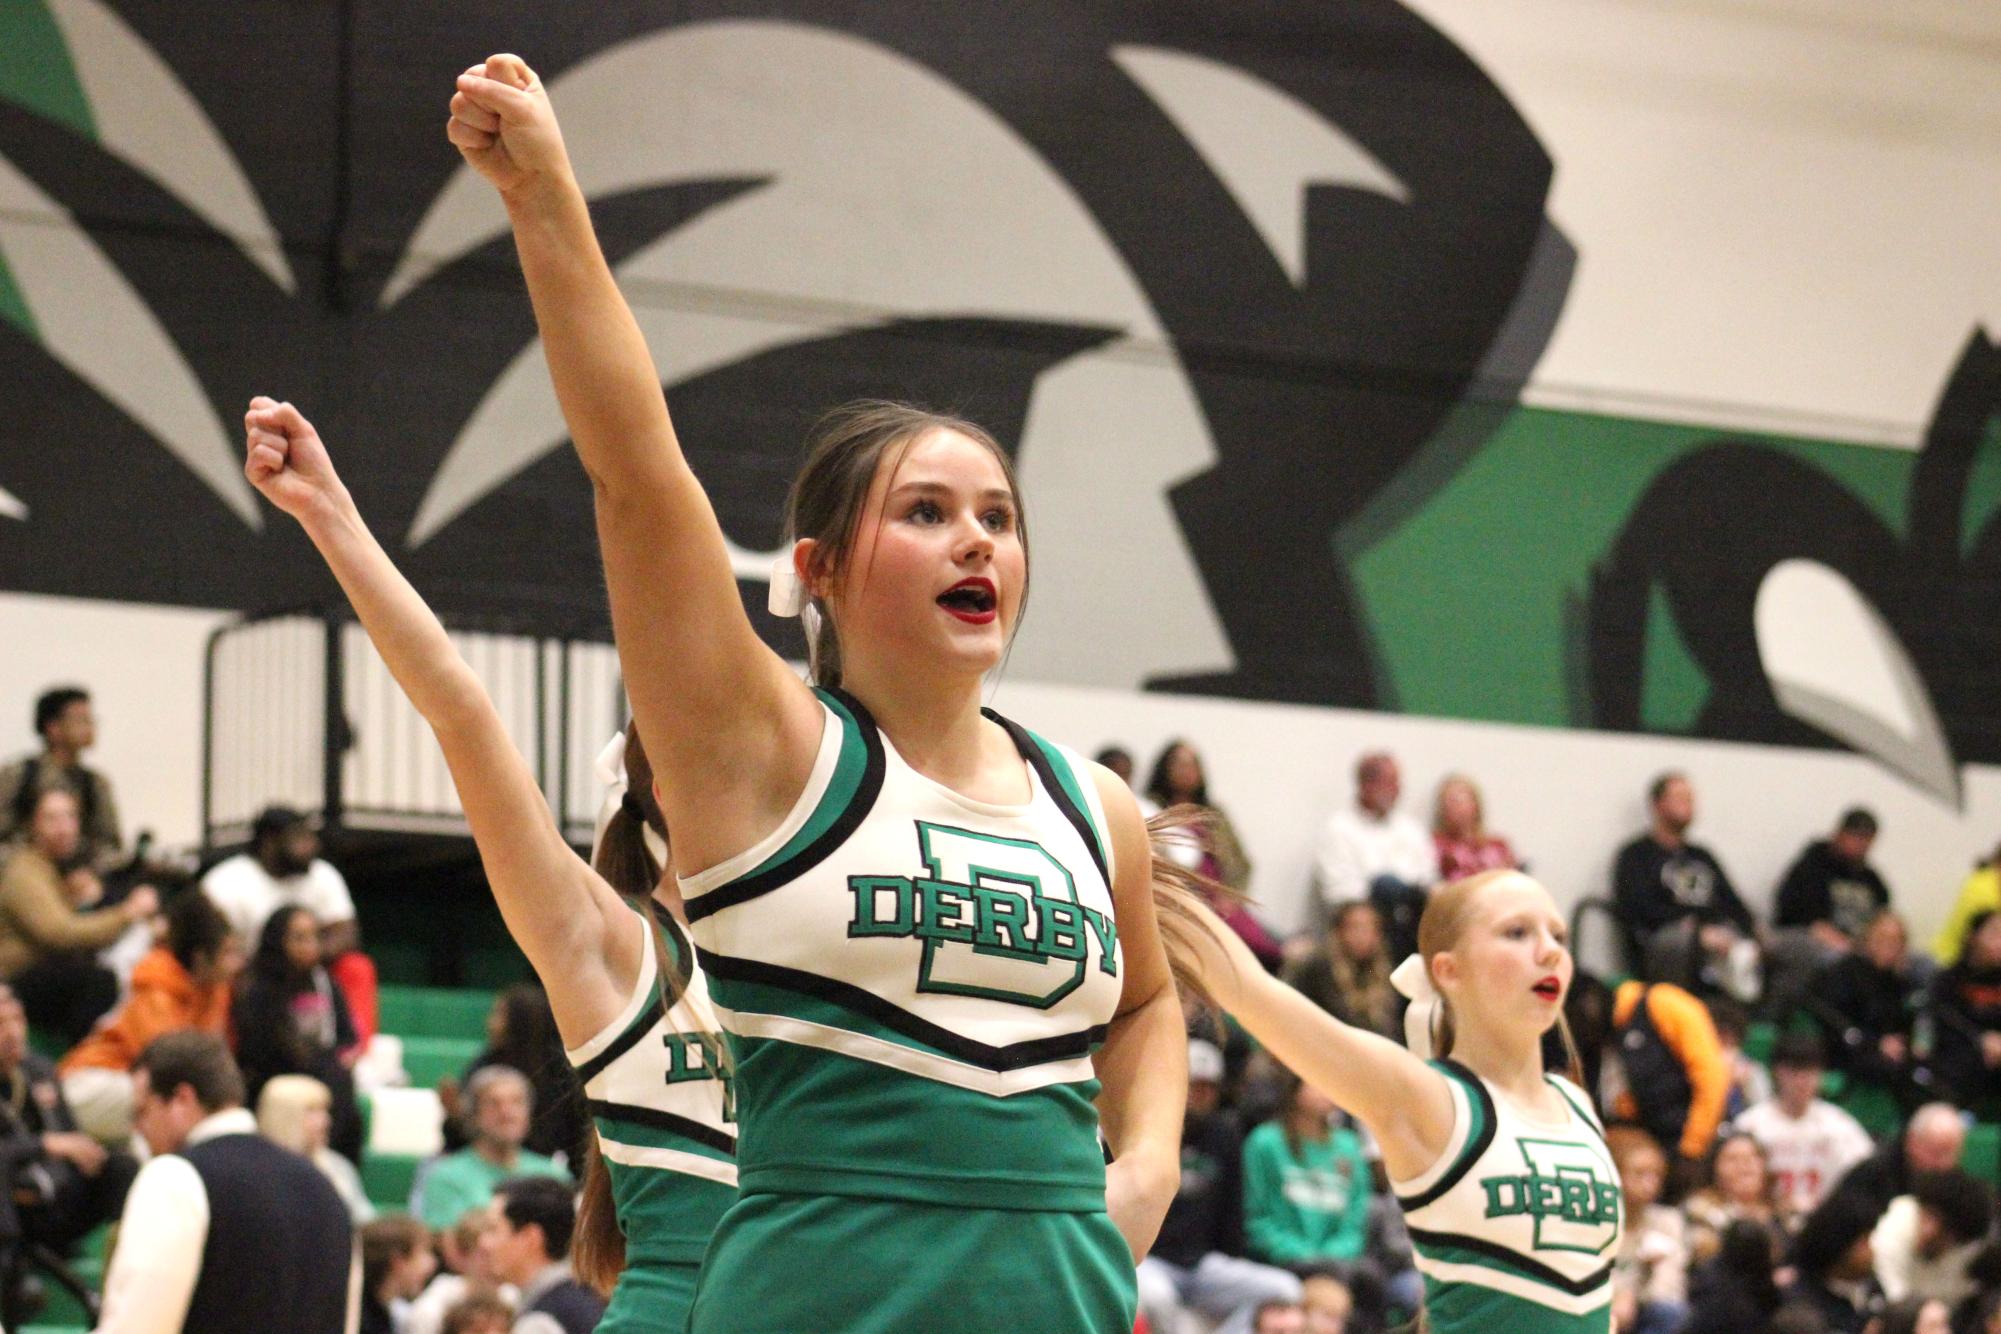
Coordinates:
1676 1078
182 983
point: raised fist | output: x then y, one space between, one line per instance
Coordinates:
504 126
284 459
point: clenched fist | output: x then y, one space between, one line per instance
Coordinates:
504 126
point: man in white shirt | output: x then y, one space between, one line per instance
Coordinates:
223 1230
1809 1141
1371 851
282 867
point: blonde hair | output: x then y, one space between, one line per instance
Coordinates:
282 1108
1479 805
1446 918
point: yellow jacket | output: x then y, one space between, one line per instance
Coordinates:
1981 893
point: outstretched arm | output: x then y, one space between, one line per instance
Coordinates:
572 926
709 696
1404 1102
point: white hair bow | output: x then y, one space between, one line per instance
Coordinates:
1412 979
787 596
610 767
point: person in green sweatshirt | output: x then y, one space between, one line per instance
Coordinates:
1308 1183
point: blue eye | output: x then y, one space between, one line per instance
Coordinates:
925 511
998 521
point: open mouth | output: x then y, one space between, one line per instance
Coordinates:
971 600
1549 989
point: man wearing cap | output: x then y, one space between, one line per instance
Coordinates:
1198 1263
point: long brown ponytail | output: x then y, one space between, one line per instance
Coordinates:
624 859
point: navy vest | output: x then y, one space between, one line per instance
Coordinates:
280 1246
570 1304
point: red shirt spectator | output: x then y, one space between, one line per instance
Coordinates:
1459 830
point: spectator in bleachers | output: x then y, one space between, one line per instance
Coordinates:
283 868
296 1112
1933 1141
1197 1262
396 1263
1669 1075
1328 1304
183 983
1831 891
68 727
1279 1318
64 1184
527 1242
1650 1270
1835 1272
1692 927
1741 1189
1459 832
290 1019
49 934
502 1103
1966 1016
464 1276
1308 1181
521 1034
1829 895
1119 760
1750 1084
223 1230
1916 1316
481 1313
1209 846
1980 893
1178 779
1373 851
1810 1144
1348 973
1868 1002
1734 1293
1926 1242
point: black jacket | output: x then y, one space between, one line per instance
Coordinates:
1655 888
1823 887
1208 1211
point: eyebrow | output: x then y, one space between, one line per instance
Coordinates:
940 489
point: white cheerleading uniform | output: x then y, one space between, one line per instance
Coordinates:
1517 1223
894 944
660 1096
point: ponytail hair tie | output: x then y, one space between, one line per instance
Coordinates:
610 767
1412 979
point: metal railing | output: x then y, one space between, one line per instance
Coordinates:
299 710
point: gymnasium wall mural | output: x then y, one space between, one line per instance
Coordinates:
1261 295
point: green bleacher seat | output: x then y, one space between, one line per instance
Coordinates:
64 1309
1872 1105
387 1178
1983 1152
429 1059
1758 1042
435 1012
